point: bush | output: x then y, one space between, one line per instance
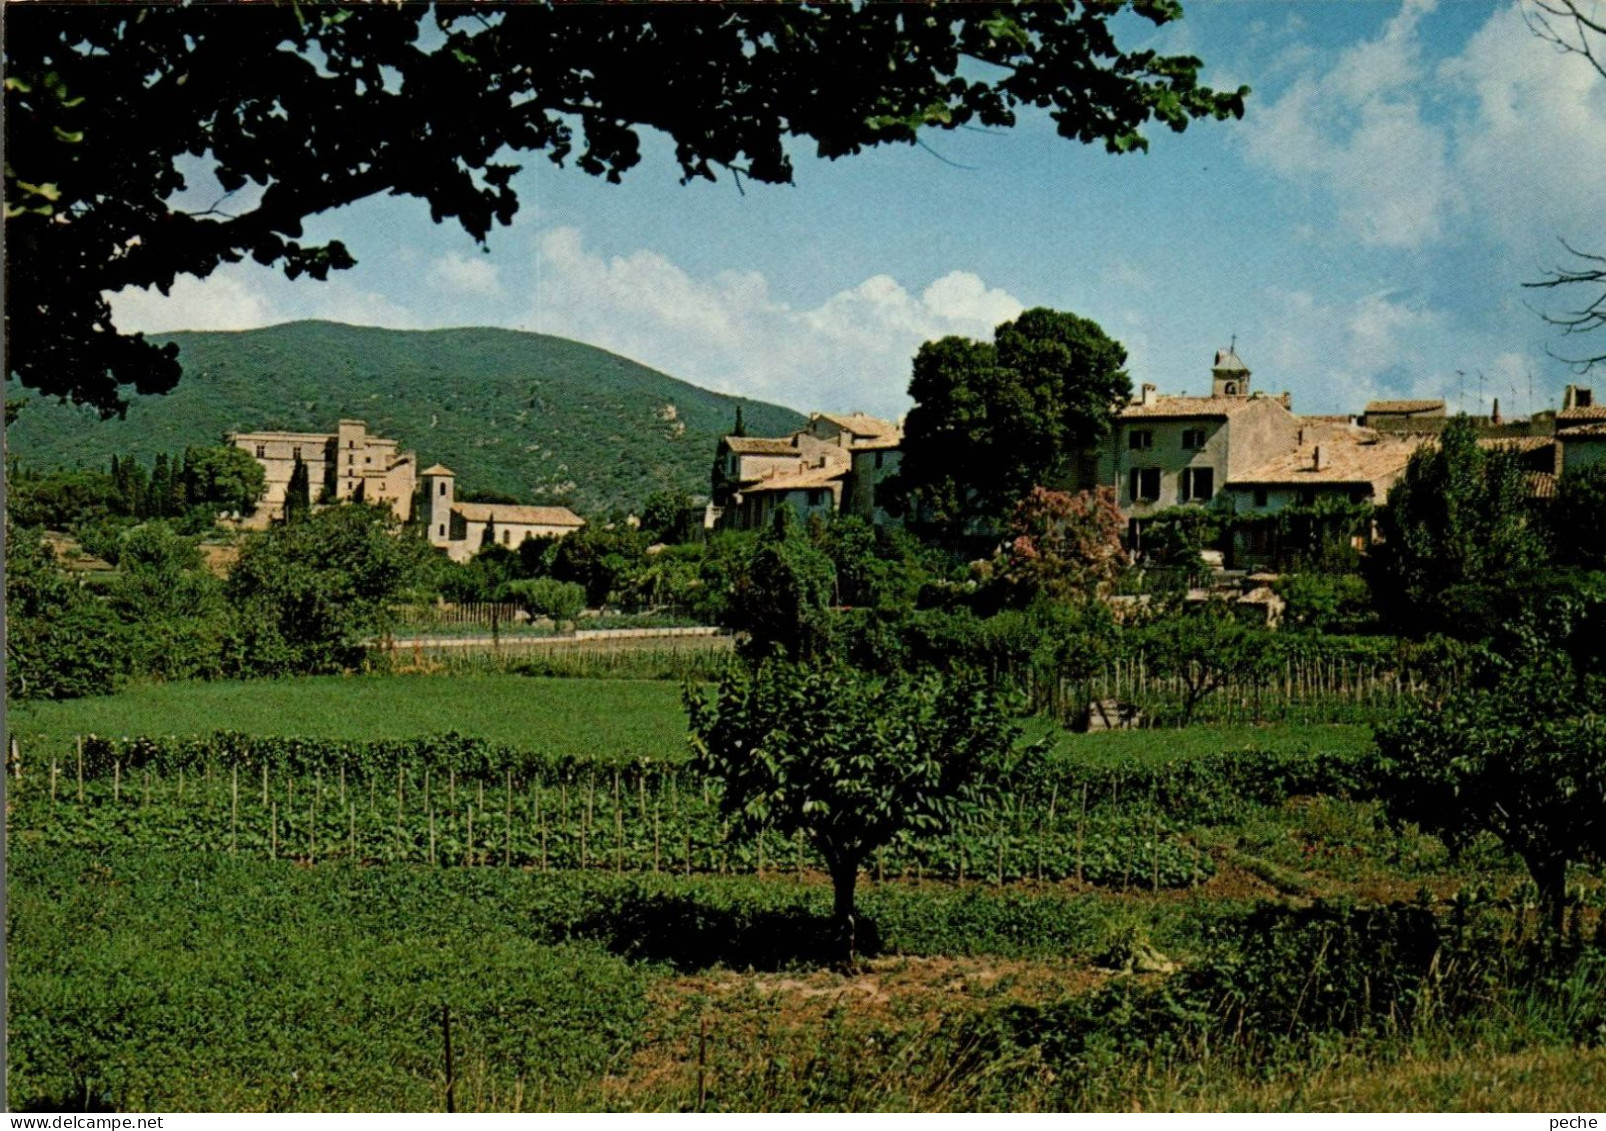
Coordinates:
558 601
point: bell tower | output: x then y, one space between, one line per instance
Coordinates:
1229 376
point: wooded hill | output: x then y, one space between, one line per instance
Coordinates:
537 417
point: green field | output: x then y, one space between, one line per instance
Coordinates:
577 718
282 919
555 716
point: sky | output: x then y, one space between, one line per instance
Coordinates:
1402 168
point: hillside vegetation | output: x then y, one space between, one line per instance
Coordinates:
529 415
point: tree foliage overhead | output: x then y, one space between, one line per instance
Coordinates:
993 420
304 108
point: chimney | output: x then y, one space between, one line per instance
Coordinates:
1316 459
1150 395
1494 417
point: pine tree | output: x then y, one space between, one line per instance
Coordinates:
489 537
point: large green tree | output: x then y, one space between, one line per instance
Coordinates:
992 420
298 109
1461 515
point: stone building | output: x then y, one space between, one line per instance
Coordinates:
463 529
346 464
1166 451
836 463
1580 430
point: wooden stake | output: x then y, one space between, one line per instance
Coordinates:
117 779
264 783
1081 827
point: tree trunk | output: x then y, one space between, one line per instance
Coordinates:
1550 877
844 877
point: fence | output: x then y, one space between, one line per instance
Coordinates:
482 613
1303 690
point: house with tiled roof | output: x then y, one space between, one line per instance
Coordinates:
464 529
835 463
1167 451
1580 430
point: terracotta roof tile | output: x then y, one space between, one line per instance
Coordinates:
1366 461
798 481
762 445
1182 408
860 424
518 515
1404 406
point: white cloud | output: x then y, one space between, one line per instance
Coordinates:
1359 130
728 332
225 301
1501 134
244 296
462 274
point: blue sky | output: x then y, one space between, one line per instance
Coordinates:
1402 168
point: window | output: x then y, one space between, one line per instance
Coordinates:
350 459
440 531
443 489
816 497
1143 483
1140 440
1134 535
507 537
262 451
295 452
1198 484
1260 496
1193 439
351 443
879 456
1231 390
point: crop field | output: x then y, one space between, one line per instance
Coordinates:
561 717
290 896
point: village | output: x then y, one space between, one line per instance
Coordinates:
807 558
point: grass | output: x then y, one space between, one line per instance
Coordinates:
566 717
1112 747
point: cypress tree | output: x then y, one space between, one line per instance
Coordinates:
298 495
159 496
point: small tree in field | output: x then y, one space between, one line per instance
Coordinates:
1521 757
851 761
1204 650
